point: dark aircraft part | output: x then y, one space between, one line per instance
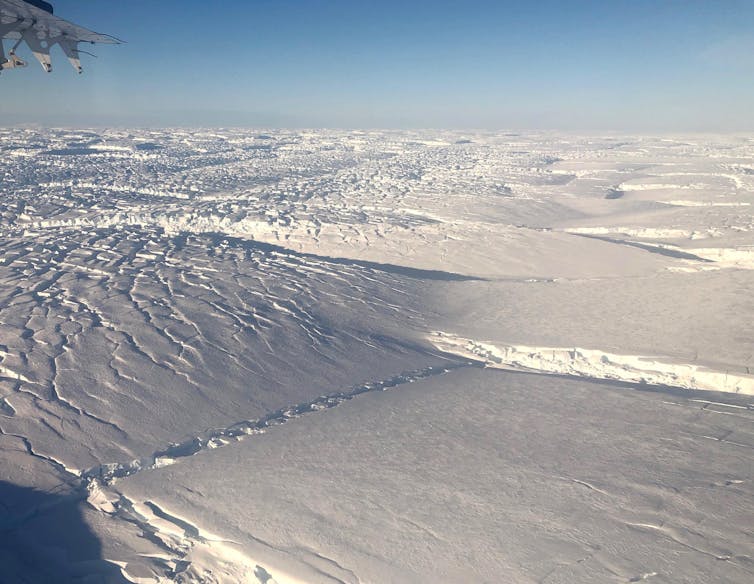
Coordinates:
46 6
33 22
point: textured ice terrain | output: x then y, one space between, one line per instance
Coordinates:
375 357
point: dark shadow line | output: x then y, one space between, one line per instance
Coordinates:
672 253
416 273
45 538
724 397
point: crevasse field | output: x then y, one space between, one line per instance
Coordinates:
375 357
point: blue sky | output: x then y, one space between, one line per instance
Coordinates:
609 65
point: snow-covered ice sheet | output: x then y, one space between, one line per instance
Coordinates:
482 476
193 320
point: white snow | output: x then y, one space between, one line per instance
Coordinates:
218 364
483 475
596 364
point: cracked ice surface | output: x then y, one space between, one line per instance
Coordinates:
485 476
596 365
194 322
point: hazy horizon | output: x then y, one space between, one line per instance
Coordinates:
586 67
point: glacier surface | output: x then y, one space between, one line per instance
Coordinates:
375 356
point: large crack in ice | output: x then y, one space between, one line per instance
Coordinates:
179 537
218 437
595 364
190 548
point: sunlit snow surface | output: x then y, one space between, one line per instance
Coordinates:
274 356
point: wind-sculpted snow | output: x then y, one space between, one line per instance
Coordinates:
171 297
133 334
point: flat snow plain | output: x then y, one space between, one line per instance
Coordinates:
236 356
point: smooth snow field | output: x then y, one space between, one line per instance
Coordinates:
375 357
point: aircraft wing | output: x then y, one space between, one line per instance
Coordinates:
33 23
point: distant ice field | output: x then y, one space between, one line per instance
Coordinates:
343 356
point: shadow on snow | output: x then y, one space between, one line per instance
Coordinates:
44 539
